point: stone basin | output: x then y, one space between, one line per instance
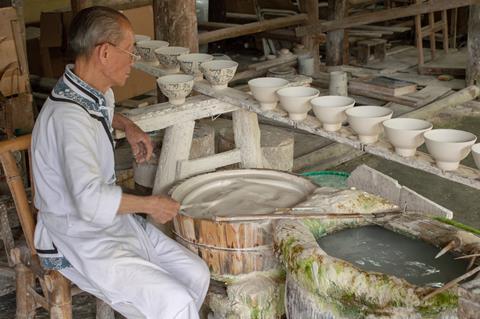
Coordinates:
320 284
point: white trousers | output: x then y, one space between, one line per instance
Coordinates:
172 285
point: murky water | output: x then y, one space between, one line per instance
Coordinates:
374 248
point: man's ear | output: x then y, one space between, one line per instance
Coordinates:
103 52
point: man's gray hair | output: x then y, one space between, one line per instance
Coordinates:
93 26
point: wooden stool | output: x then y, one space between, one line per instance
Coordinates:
365 48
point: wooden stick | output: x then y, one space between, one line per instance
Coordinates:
468 256
446 249
274 216
251 28
452 283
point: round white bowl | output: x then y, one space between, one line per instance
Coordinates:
219 72
145 49
406 134
476 154
190 63
448 147
366 121
330 110
168 57
296 101
264 91
176 87
141 37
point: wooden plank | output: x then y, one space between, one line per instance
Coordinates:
251 28
384 85
206 164
383 15
159 116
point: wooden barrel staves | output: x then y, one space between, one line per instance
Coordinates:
230 248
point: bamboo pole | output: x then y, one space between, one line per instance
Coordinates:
276 216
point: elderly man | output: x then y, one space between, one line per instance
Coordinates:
86 226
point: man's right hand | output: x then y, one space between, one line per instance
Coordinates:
162 209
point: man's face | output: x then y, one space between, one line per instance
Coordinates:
119 62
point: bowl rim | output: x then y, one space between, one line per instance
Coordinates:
183 57
223 64
167 50
253 82
139 43
170 77
314 91
327 97
474 148
387 125
430 136
387 111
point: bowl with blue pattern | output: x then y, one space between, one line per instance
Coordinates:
176 87
219 72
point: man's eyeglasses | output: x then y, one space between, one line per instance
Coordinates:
133 56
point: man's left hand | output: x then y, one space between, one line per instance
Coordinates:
140 142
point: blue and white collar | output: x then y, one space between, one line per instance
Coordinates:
72 88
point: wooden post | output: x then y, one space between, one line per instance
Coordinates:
473 63
336 11
104 311
25 303
247 138
311 43
176 22
175 147
60 299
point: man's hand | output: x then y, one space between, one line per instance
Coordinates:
162 209
140 143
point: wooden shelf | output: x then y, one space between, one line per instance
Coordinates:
235 98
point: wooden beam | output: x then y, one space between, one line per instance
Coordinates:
473 63
336 11
251 28
310 7
383 15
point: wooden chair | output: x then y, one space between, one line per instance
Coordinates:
56 290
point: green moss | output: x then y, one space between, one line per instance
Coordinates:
458 225
441 302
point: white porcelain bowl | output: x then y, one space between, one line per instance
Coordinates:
296 101
330 110
264 91
141 37
176 87
366 121
406 134
145 49
476 154
167 56
190 63
219 72
448 147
